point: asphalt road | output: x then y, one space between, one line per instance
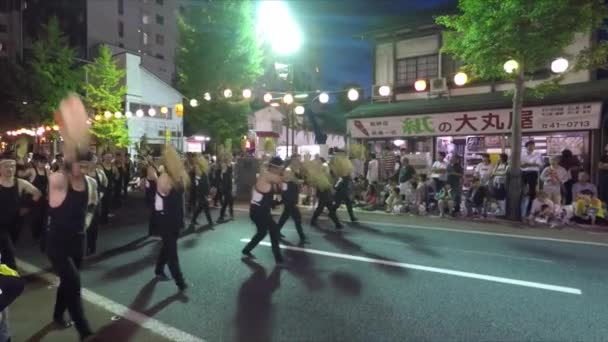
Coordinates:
375 281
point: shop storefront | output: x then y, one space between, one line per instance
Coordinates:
574 126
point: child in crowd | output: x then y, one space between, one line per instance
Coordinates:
475 202
536 210
393 202
422 194
588 209
445 200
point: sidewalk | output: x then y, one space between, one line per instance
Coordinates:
30 318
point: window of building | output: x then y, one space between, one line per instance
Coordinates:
159 2
160 39
409 70
159 56
121 45
121 29
121 6
145 19
3 28
160 20
144 38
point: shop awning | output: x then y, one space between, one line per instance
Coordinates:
571 93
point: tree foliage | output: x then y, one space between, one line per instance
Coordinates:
105 91
218 49
52 73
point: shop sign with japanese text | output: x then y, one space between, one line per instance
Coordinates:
568 117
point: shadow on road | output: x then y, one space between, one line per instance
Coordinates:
123 329
346 283
130 268
302 267
129 247
417 243
193 240
254 304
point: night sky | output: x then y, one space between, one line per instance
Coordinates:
345 59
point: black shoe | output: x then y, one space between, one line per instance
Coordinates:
339 226
247 254
281 236
62 323
221 219
182 286
354 220
161 276
279 260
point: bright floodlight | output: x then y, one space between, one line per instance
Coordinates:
118 115
193 103
267 97
139 113
460 79
420 85
247 93
164 110
151 111
299 110
276 25
353 94
288 99
384 90
97 117
227 93
207 97
323 98
108 114
559 65
510 66
128 114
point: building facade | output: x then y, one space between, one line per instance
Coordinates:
475 118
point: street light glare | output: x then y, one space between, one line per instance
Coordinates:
152 112
299 110
164 110
128 114
460 79
118 115
207 97
288 99
323 98
353 94
139 113
267 97
193 103
384 90
276 26
108 114
227 93
247 93
559 65
510 66
420 85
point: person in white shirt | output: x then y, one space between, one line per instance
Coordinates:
553 177
531 163
537 207
484 170
438 171
372 170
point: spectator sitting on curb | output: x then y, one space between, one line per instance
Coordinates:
445 200
588 209
537 204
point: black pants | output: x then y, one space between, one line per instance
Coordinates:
65 254
192 200
39 219
349 205
7 250
11 287
92 235
291 210
227 202
168 256
106 202
264 225
218 197
15 230
203 205
530 178
324 201
117 193
567 191
125 185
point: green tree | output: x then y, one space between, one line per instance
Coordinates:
487 33
53 74
218 49
105 91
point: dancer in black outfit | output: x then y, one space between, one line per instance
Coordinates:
201 168
225 185
168 215
127 175
261 207
289 198
324 200
72 201
192 192
111 174
39 178
150 176
342 188
12 192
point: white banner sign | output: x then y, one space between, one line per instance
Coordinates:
568 117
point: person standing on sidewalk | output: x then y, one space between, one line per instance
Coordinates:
531 163
72 201
168 214
201 168
260 210
111 174
455 174
13 190
289 198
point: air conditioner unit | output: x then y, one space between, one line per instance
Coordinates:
439 85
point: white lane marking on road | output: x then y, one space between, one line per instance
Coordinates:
153 325
462 274
478 232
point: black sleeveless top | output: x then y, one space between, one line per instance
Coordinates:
171 215
262 200
41 182
202 185
70 215
110 176
9 204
